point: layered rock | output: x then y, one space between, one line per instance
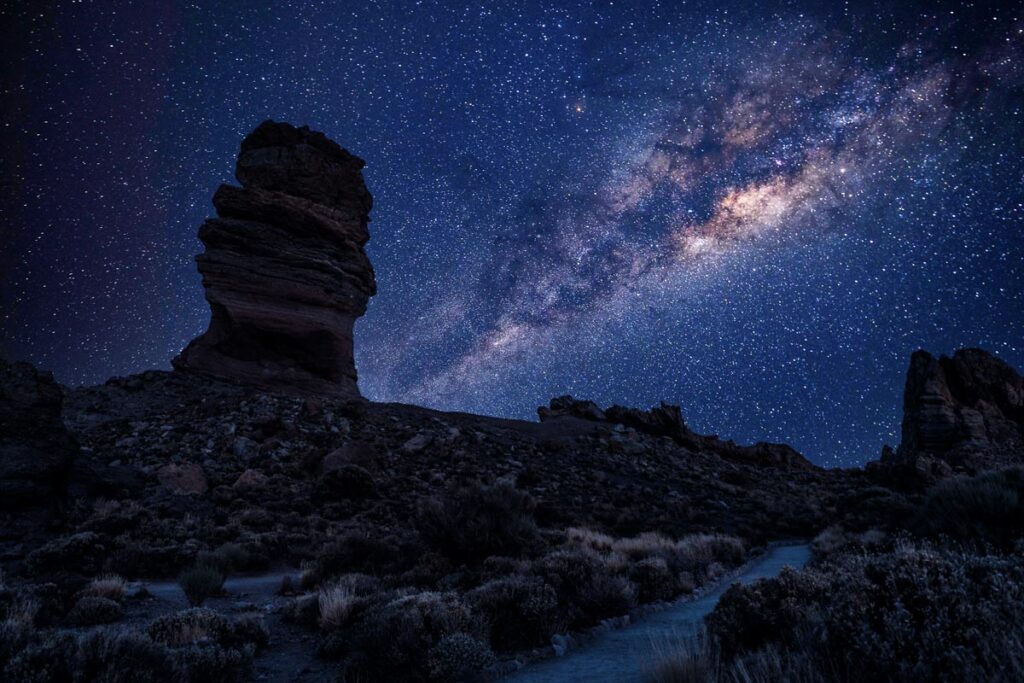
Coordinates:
284 269
960 414
36 451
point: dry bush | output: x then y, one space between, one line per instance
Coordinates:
201 582
915 613
189 626
988 508
109 586
471 523
335 603
91 610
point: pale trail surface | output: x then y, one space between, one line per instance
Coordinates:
621 655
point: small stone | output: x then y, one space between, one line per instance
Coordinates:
417 443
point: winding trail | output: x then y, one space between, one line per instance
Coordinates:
620 655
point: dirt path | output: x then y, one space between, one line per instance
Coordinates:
620 655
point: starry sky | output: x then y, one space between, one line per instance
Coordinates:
757 212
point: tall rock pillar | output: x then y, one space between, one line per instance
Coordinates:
284 269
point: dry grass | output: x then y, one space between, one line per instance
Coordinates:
697 551
336 604
110 586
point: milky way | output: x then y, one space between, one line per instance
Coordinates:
755 213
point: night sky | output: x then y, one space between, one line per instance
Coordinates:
757 213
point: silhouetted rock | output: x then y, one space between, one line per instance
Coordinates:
666 420
284 268
36 451
960 414
567 406
663 420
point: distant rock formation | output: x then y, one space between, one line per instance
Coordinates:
667 421
36 451
284 268
960 414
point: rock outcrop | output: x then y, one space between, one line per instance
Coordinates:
667 420
284 269
36 451
960 414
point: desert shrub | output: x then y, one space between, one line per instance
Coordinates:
206 646
14 636
393 641
471 523
121 656
335 603
653 580
43 661
84 551
521 611
749 617
586 586
212 663
110 586
189 626
91 610
985 508
459 657
200 583
694 553
698 660
363 553
916 613
250 629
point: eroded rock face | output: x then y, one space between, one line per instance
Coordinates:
36 451
284 268
964 413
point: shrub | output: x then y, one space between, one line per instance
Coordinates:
521 611
91 610
189 626
653 580
392 641
587 589
121 656
335 603
471 523
201 582
915 613
84 551
359 552
110 586
986 508
459 657
211 663
43 661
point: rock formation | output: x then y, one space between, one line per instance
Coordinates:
36 451
666 420
284 268
960 414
